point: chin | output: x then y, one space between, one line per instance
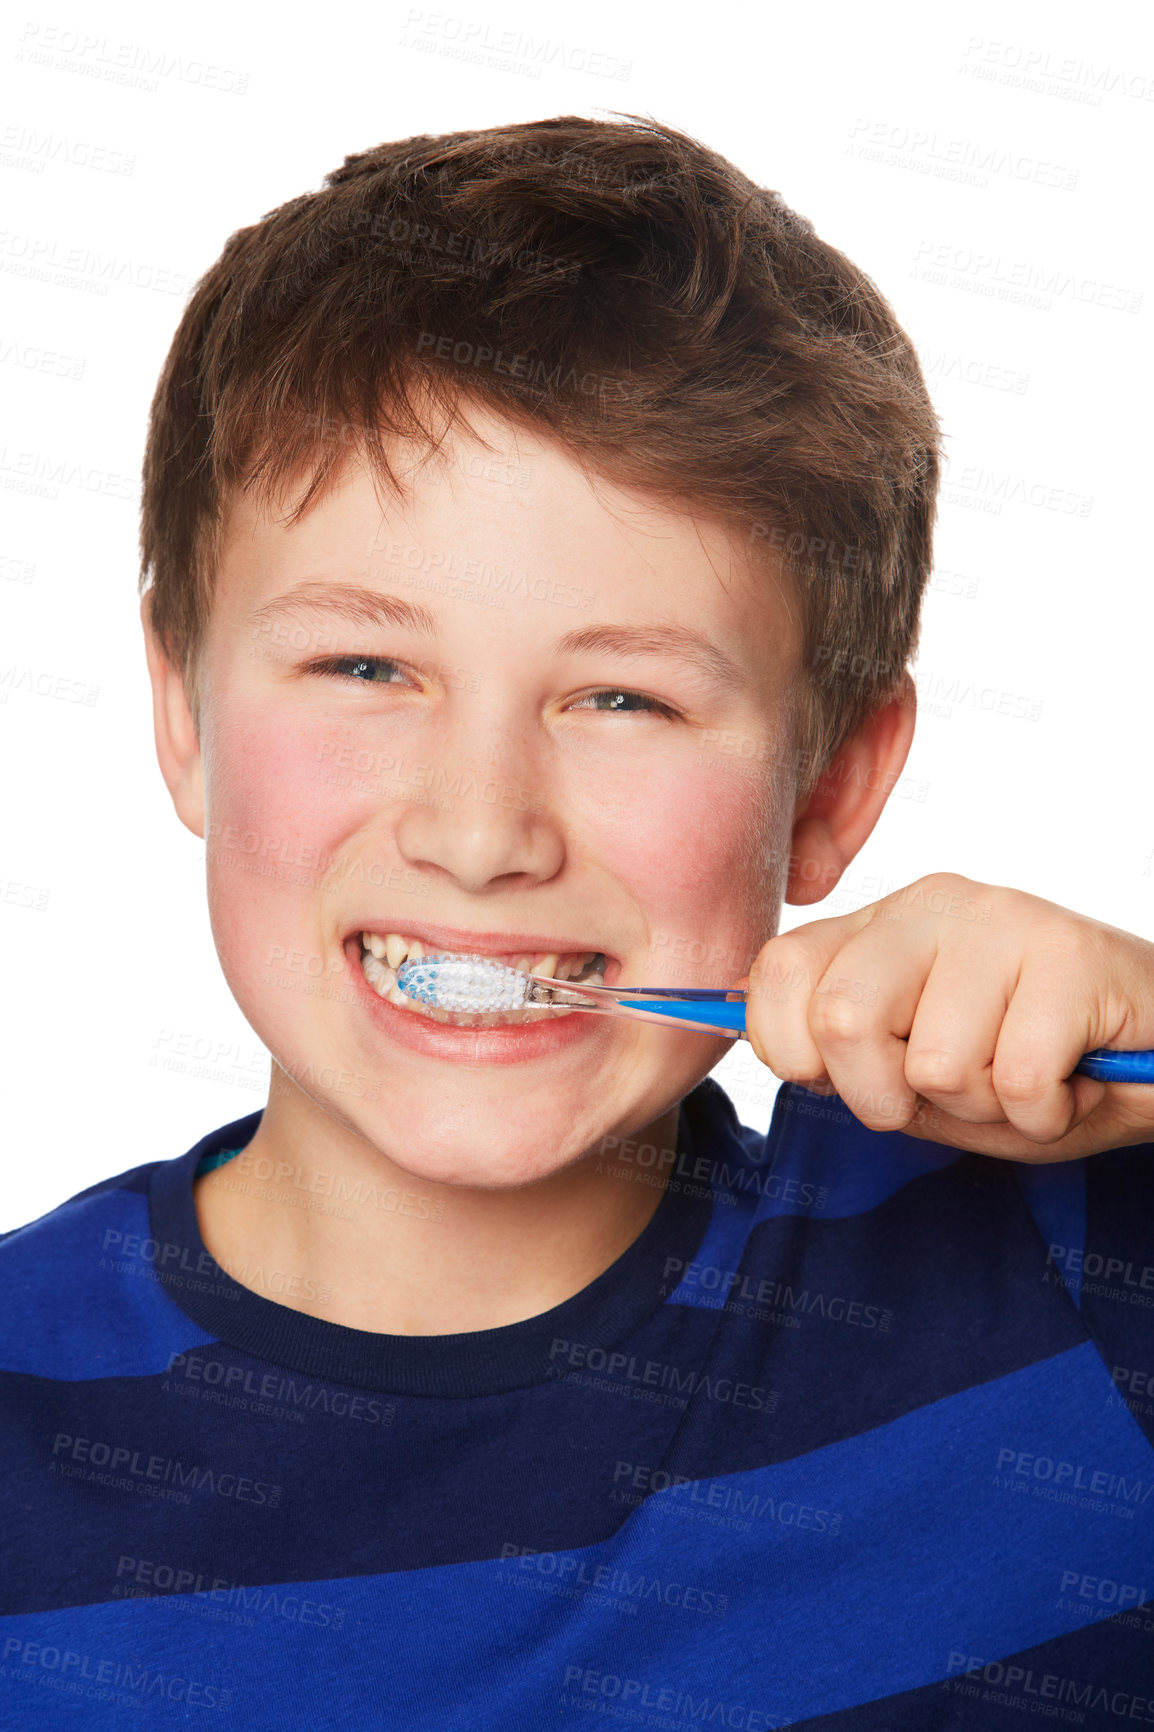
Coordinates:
467 1141
497 1158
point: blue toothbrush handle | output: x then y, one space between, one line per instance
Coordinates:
729 1017
1110 1066
726 1017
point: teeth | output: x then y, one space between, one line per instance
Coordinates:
375 970
393 948
383 954
545 962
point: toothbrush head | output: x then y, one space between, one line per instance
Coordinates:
464 983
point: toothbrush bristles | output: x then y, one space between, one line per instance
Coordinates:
464 983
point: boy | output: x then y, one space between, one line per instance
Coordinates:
500 499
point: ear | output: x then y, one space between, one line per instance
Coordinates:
837 817
177 747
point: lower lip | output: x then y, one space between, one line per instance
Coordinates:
515 1043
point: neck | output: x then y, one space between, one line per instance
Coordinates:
322 1221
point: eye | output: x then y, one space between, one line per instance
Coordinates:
370 670
614 700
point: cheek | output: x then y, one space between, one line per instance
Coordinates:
274 779
700 850
277 810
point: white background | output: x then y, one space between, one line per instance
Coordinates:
963 158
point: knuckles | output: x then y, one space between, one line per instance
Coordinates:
937 1073
839 1022
780 969
936 891
950 883
1021 1084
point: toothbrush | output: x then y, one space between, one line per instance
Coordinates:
481 985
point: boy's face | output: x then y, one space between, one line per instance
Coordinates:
551 718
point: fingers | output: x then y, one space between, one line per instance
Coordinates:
782 981
829 1004
950 1047
858 1017
900 1021
909 1019
1096 1127
1048 1026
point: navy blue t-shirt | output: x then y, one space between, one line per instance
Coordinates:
857 1435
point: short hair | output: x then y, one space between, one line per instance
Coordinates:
614 285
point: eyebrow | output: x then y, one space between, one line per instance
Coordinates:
653 640
371 607
349 601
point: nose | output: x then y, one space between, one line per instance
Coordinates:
481 824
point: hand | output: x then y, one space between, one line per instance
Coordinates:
956 1011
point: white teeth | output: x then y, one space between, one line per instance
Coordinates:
394 949
396 996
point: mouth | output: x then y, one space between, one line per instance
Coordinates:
382 954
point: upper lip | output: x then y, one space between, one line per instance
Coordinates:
457 940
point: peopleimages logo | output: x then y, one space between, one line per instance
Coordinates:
1115 1278
1030 1687
642 1480
1072 1475
574 1573
706 1170
154 1579
652 1375
162 1470
731 1284
1104 1590
585 1687
101 1672
270 1386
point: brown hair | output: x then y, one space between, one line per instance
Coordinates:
617 286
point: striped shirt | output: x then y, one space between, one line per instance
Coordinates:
857 1435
